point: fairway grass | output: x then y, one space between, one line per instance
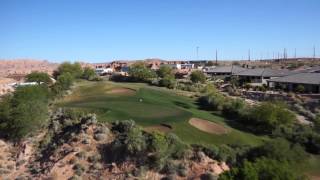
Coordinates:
152 106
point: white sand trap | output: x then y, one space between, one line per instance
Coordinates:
208 126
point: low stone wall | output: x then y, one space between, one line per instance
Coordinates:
263 96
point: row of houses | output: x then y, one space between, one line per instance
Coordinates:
309 78
122 66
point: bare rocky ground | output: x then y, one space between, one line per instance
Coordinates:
69 150
25 66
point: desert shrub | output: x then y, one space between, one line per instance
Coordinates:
208 176
79 169
170 177
182 170
97 166
268 116
94 158
81 155
279 149
234 108
4 171
317 123
73 160
198 77
100 137
168 81
75 177
89 74
300 89
123 126
262 169
303 135
129 142
103 130
247 86
169 168
140 171
213 101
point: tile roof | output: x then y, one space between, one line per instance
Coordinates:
300 78
226 69
265 72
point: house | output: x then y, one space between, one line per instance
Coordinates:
187 66
310 82
174 66
259 76
104 71
154 66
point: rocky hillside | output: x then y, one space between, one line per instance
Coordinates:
76 146
25 66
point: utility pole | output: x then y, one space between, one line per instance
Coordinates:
295 53
216 57
249 55
273 56
314 52
197 52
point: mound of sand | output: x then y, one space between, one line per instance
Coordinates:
159 128
121 91
208 126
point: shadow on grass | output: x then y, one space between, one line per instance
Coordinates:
182 104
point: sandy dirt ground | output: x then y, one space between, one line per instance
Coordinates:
158 128
208 126
121 91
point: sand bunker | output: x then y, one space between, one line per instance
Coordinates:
158 128
208 126
121 91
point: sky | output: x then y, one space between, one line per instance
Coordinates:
105 30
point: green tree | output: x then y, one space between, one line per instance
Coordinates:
5 112
262 169
234 108
168 81
89 74
197 76
139 72
39 77
65 81
317 123
270 115
281 150
75 69
165 71
28 112
300 89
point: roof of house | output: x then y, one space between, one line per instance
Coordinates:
264 72
226 69
300 78
314 69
